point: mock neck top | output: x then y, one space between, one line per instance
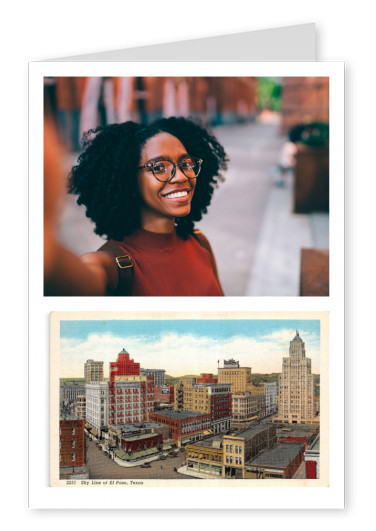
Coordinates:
167 265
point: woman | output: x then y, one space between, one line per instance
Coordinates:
144 187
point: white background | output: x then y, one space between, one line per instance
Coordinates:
40 30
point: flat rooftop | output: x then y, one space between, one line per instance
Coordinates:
280 456
253 430
180 414
211 442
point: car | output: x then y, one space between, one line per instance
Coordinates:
146 465
175 455
163 457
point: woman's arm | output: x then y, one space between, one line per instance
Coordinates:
67 274
64 272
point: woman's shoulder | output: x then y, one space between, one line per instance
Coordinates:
202 239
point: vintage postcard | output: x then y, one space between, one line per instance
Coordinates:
172 399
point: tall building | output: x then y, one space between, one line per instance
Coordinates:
93 371
296 395
131 396
159 375
131 399
124 366
97 404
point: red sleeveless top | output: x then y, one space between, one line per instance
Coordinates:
166 265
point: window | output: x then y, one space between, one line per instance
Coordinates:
73 431
73 444
73 457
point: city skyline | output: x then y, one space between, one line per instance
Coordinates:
185 346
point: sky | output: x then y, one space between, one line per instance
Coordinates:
189 346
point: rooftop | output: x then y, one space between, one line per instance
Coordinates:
280 456
253 430
213 442
180 414
139 437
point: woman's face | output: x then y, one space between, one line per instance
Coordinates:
164 200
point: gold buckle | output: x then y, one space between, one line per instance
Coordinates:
124 256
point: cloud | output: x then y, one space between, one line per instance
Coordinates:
182 354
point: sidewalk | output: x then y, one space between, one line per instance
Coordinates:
276 267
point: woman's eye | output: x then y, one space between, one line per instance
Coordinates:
189 164
160 167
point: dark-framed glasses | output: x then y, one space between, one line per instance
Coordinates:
165 170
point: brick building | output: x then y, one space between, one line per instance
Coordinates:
184 426
71 446
164 394
312 460
304 100
207 378
131 396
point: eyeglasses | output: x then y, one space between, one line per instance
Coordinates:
165 170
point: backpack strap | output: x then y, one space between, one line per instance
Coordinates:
204 242
125 267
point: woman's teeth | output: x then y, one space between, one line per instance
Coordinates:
176 194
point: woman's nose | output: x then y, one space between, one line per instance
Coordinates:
177 175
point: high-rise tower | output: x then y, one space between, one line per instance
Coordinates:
93 371
296 397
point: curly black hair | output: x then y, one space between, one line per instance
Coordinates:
105 176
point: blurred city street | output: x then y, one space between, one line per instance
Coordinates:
255 235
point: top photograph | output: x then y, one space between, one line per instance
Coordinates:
186 186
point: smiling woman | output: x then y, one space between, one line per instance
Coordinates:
144 187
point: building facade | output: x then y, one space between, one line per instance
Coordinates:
96 394
184 426
312 460
296 389
159 375
205 457
80 409
72 443
213 399
131 399
270 398
69 393
245 407
207 377
93 371
164 394
242 446
240 378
